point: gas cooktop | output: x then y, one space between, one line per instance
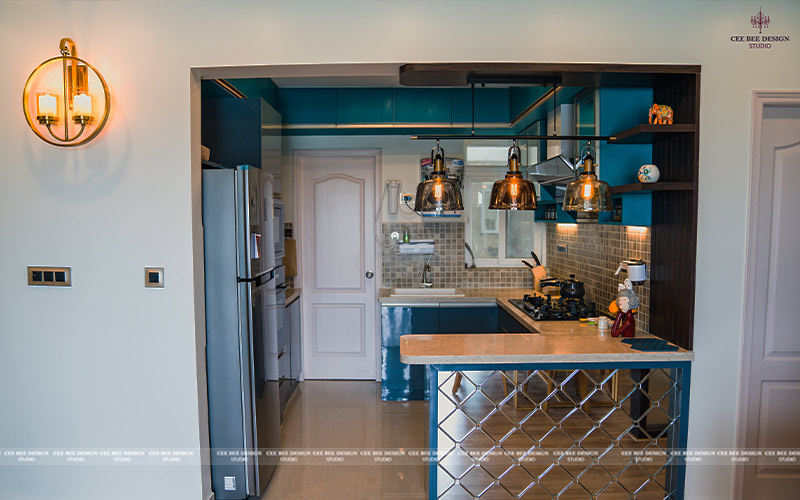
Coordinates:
546 308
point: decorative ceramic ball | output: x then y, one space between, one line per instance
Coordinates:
648 173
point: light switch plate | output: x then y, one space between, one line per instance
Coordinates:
49 276
154 277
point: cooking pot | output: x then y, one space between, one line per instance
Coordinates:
571 288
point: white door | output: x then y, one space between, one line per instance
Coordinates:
337 210
771 382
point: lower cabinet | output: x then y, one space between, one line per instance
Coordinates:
402 382
290 354
399 381
507 324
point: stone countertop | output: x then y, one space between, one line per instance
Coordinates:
548 342
499 348
292 294
465 295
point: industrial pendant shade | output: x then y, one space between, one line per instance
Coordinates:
513 192
588 193
438 193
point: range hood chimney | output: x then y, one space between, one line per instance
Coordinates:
558 169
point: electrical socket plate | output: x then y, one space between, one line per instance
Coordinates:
154 277
49 276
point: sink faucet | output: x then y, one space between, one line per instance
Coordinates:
424 283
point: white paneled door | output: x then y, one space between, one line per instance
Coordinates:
337 228
771 370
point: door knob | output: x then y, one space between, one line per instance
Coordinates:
369 275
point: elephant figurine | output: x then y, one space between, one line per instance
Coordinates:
660 114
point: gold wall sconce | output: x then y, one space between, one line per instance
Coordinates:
59 89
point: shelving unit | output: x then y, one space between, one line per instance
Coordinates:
655 186
648 134
669 206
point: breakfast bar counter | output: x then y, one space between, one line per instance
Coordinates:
562 413
567 344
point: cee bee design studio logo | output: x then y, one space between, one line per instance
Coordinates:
760 22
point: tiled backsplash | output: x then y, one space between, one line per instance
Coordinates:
447 264
593 255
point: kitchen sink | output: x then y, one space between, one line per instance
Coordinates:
426 292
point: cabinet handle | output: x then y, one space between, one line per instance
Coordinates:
282 379
280 354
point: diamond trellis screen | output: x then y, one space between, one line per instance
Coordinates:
588 433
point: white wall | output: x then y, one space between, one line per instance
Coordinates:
108 363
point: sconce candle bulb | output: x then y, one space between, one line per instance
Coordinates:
46 108
82 108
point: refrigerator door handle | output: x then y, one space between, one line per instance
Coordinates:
247 373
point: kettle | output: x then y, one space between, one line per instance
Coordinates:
636 269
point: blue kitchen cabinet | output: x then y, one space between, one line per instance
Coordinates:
399 381
507 324
402 382
468 318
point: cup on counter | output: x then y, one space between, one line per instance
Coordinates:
602 323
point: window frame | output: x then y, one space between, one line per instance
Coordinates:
490 175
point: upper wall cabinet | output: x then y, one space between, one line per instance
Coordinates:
371 110
243 132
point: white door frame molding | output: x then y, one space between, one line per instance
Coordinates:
761 99
297 217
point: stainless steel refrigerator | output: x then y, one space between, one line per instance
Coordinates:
244 407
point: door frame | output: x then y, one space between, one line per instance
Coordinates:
297 222
761 99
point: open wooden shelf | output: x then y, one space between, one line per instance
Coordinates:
647 134
655 186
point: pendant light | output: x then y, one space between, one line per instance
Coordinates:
438 193
513 192
588 193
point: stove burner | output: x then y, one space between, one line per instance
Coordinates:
546 308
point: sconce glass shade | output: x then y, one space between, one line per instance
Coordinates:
513 192
438 193
65 110
588 193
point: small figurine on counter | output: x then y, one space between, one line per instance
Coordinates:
660 114
627 301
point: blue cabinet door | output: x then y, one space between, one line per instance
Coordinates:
507 324
468 318
399 381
